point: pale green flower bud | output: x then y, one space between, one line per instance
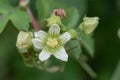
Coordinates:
24 41
54 20
89 24
73 33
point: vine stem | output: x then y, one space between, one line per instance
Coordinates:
88 69
34 22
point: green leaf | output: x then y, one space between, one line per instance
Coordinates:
20 20
75 48
87 42
58 4
72 17
3 21
4 14
43 8
4 6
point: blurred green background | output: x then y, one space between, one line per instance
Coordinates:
106 62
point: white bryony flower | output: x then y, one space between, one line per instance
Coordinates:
51 43
24 41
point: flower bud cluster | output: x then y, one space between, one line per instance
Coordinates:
40 45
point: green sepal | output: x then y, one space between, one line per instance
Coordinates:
54 20
73 33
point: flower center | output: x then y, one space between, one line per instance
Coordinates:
52 42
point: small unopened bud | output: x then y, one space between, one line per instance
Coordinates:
24 41
23 3
73 33
89 24
59 12
53 20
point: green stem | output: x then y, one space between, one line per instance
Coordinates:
88 69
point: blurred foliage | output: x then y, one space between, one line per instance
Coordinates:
106 60
20 19
116 73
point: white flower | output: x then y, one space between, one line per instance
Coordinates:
24 41
51 43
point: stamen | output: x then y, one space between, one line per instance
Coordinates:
52 42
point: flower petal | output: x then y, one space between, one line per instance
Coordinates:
40 34
65 37
44 55
37 43
61 54
54 29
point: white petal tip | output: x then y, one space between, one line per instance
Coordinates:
44 55
65 60
65 37
62 55
41 59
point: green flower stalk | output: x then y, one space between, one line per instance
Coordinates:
24 41
89 24
51 43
